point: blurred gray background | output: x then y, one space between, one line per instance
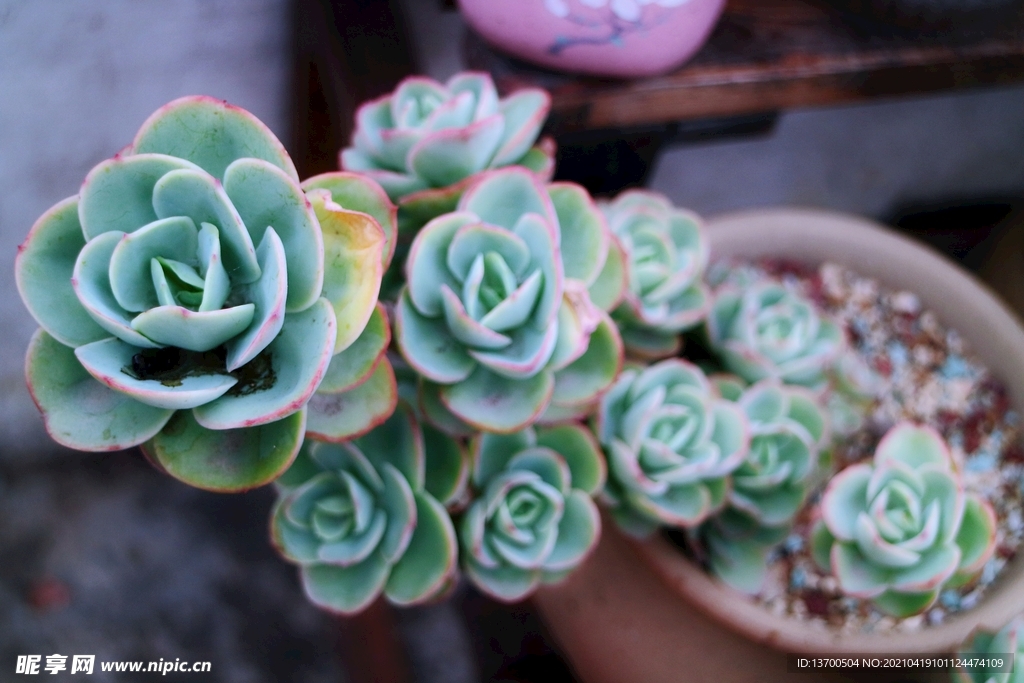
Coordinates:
102 555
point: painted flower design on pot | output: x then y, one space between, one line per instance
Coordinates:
428 135
534 519
765 330
665 256
626 10
359 521
787 430
671 444
898 529
184 300
496 316
1006 642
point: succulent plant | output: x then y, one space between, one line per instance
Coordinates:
897 529
359 520
496 315
853 388
1005 644
787 427
185 300
665 253
671 444
765 330
534 519
421 141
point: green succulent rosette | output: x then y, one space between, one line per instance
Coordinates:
192 298
1005 643
897 529
664 253
787 429
497 316
671 443
359 519
422 141
534 520
765 330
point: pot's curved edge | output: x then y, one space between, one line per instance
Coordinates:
962 302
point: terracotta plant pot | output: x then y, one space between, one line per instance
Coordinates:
642 611
627 38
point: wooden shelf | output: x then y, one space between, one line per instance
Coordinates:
769 55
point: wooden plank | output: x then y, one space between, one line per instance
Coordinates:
773 54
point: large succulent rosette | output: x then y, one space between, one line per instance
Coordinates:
360 518
671 444
787 429
421 141
191 298
665 253
496 316
534 520
897 529
765 330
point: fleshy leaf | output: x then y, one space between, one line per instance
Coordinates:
399 442
337 417
268 296
427 346
353 247
491 402
448 156
226 133
110 359
227 460
345 590
447 466
585 237
358 193
265 196
354 364
43 271
578 532
131 278
117 195
91 283
581 452
593 372
79 411
430 558
298 359
198 196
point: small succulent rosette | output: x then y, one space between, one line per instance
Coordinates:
765 330
853 388
534 520
897 529
787 430
664 253
671 443
1005 646
497 316
421 141
191 297
361 518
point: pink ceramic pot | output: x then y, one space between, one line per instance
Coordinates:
627 38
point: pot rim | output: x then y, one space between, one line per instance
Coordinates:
961 302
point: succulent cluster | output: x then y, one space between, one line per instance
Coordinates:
664 253
787 429
442 358
898 529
